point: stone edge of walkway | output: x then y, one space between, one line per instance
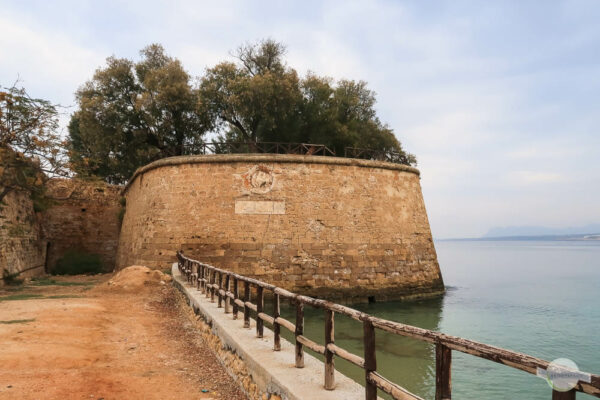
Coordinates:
272 371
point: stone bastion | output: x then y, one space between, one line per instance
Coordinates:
338 228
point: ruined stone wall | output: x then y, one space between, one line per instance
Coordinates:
324 226
84 217
22 249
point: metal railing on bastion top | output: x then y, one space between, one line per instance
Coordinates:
225 286
296 148
377 155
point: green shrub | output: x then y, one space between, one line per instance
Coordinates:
11 279
52 282
40 202
77 262
20 296
121 215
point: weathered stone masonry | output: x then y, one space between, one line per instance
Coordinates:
84 217
22 250
324 226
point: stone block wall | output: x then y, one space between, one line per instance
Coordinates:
84 217
22 249
330 227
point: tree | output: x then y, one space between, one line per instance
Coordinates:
251 100
133 113
30 147
260 98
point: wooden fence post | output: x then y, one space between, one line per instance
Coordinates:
246 309
570 395
443 372
329 362
370 359
207 283
227 299
212 286
198 276
235 297
219 295
276 326
299 331
260 302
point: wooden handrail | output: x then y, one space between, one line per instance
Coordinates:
205 278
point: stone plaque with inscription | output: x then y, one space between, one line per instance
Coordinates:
259 207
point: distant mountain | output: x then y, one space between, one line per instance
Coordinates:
508 231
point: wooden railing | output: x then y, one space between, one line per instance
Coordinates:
224 286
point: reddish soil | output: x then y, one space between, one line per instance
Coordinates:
104 342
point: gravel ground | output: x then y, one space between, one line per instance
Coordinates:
80 338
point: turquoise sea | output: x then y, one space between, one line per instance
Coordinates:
537 297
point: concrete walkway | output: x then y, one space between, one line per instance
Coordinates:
273 371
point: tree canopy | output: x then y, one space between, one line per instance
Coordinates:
260 98
30 146
131 113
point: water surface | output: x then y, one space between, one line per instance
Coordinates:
539 298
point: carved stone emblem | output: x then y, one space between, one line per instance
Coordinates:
259 179
60 189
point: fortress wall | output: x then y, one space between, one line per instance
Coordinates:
323 226
22 250
84 218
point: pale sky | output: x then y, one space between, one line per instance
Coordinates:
500 101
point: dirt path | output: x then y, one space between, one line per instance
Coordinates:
80 342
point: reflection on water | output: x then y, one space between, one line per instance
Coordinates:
406 361
539 298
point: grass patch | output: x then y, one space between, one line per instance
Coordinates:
29 296
21 296
167 271
14 288
63 296
17 321
11 279
53 282
77 263
121 215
